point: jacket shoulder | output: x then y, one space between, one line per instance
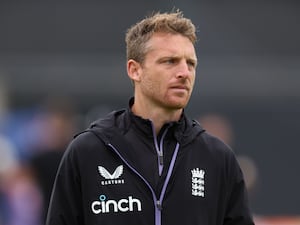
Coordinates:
85 139
214 143
84 145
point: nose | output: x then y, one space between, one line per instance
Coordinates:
184 70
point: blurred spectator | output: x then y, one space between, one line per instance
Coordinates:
57 120
25 129
8 159
221 127
23 198
8 162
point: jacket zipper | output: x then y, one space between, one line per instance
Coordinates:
159 149
157 202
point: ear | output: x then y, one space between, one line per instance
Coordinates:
133 70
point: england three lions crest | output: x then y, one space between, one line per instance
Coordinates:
198 182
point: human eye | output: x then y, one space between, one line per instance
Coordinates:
192 63
170 61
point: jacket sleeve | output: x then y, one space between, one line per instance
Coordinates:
237 212
65 205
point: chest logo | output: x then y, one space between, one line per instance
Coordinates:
198 182
113 178
129 204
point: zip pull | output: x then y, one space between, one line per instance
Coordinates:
160 158
158 204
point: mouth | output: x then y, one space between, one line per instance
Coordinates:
180 87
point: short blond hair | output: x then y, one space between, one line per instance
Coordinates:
138 35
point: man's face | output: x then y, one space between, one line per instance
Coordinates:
168 71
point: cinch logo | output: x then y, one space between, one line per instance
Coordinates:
123 205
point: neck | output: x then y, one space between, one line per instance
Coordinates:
159 116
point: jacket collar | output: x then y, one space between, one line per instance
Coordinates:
184 131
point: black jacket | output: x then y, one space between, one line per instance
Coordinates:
119 172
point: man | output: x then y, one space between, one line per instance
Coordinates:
150 164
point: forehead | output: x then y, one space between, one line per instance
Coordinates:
170 44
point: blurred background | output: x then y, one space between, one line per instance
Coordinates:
63 64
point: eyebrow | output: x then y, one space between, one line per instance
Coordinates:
193 60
